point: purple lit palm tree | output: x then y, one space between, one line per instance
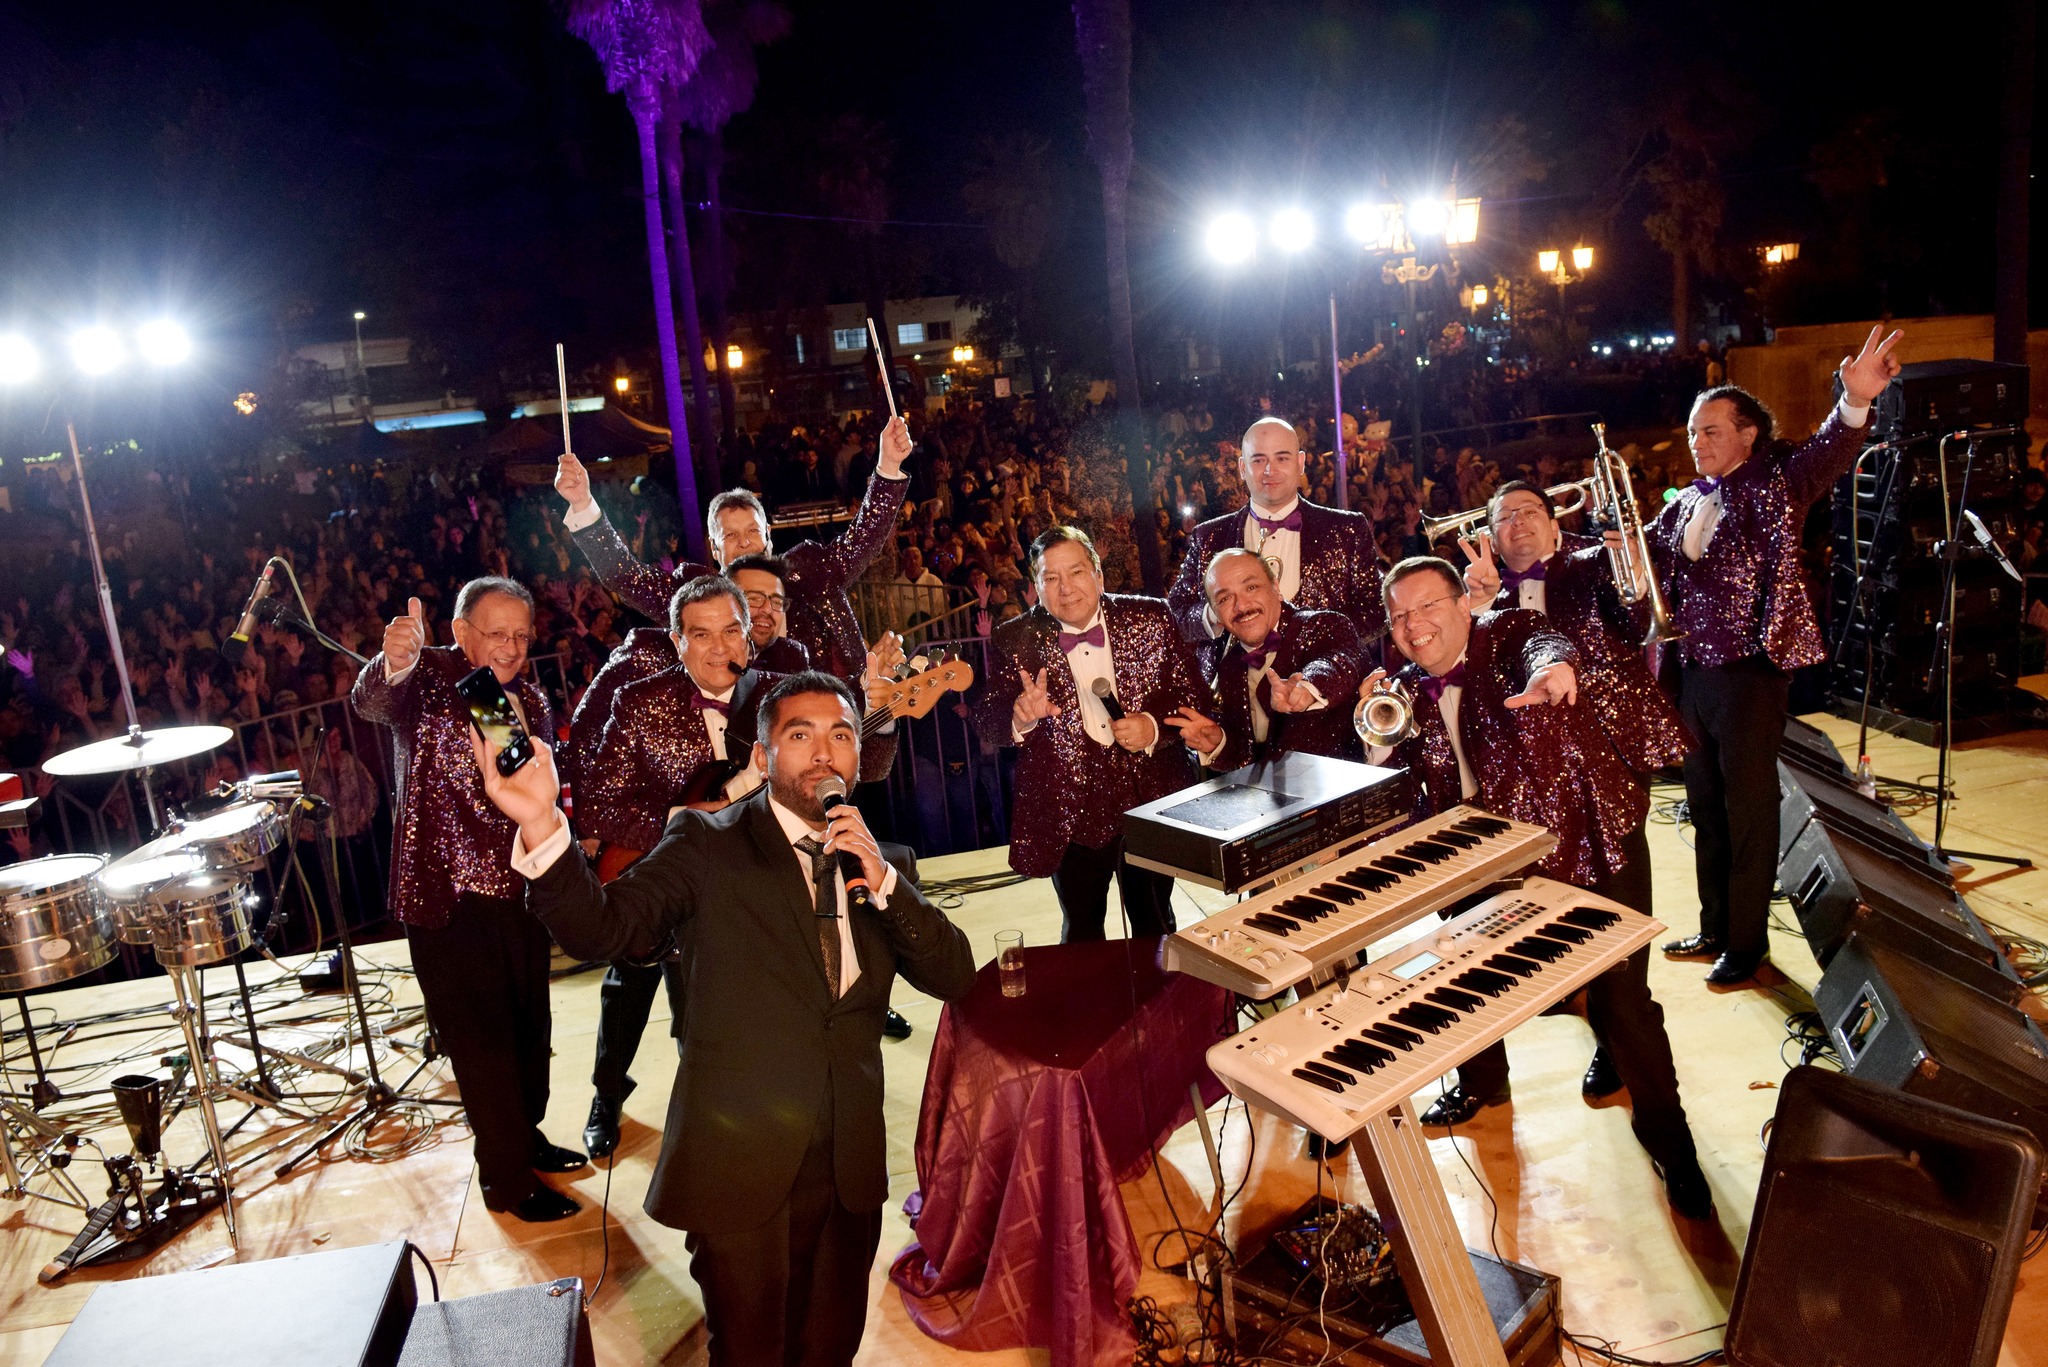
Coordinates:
1102 37
643 46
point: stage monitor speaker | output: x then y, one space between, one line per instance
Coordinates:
1809 747
347 1307
1827 878
529 1326
1887 1231
1900 1023
1804 795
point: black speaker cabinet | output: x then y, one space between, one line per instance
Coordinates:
1828 877
1887 1231
528 1326
1805 795
1899 1023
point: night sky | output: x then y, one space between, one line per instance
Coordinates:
455 167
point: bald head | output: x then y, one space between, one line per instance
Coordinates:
1271 463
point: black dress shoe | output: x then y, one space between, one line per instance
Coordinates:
1693 947
1730 969
1454 1107
601 1131
1601 1080
553 1157
544 1205
1687 1190
894 1026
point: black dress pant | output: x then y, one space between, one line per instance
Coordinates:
485 979
1628 1025
1737 713
1082 884
624 1001
794 1290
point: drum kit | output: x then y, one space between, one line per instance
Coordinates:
190 897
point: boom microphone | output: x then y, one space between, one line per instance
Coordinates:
832 796
237 645
1101 689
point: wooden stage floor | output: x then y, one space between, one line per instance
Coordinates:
1575 1195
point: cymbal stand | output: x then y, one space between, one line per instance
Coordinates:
190 1010
47 1151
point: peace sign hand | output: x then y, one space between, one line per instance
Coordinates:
1865 377
1482 576
1292 694
1200 734
1034 704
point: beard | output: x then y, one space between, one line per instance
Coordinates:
799 792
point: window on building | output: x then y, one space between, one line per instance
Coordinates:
910 334
939 332
849 339
799 348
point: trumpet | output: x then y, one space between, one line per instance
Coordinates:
1386 716
1635 574
1467 526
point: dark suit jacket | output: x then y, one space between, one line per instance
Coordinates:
447 838
653 748
783 656
1072 789
1340 570
645 651
1581 601
1547 763
766 1049
1321 646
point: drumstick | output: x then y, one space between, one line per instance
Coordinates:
882 364
562 385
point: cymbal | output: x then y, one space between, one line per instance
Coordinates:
144 750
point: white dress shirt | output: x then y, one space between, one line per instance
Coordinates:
1282 549
537 861
1529 594
1706 515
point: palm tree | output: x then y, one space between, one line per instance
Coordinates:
644 45
684 271
1102 36
721 86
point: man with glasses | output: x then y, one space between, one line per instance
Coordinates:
1499 725
1320 557
761 579
1574 587
482 962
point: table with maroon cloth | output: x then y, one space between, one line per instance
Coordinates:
1035 1109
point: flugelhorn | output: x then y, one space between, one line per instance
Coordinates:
1635 574
1386 716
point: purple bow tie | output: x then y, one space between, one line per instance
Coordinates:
1706 485
704 704
1249 658
1289 523
1513 579
1094 636
1433 685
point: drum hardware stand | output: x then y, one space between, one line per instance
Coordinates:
48 1150
190 1011
42 1091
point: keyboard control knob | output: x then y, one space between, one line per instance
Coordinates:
1446 944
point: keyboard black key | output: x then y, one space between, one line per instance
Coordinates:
1451 835
1433 850
1483 980
1360 1055
1454 999
1570 935
1327 1084
1369 879
1337 892
1300 908
1425 1018
1485 825
1348 1079
1508 963
1394 1035
1279 925
1592 918
1395 864
1535 947
1315 906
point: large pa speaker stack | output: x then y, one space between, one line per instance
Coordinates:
1885 520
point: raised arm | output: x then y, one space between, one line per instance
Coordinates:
1185 600
838 562
1827 455
641 587
384 687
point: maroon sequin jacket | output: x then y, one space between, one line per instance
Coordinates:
1581 601
1324 648
1546 763
645 651
1746 595
447 838
1070 788
653 747
1340 570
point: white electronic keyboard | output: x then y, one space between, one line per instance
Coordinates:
1358 1048
1285 935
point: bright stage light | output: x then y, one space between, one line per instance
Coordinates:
18 360
1231 238
163 342
1377 226
1429 218
97 350
1292 230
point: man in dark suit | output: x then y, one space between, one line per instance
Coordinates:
1321 557
1499 724
669 740
762 578
1727 550
1284 676
482 963
1575 589
773 1158
1083 764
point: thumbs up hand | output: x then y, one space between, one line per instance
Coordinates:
405 637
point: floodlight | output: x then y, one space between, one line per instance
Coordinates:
1231 238
1377 226
163 342
1292 230
18 360
97 350
1429 218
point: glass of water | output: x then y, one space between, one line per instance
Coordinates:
1010 961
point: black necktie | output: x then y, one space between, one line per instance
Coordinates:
825 902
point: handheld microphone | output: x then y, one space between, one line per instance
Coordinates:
1101 689
832 796
237 645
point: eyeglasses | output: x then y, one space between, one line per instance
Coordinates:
1507 520
767 600
1399 619
498 639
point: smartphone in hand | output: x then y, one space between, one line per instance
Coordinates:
490 711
